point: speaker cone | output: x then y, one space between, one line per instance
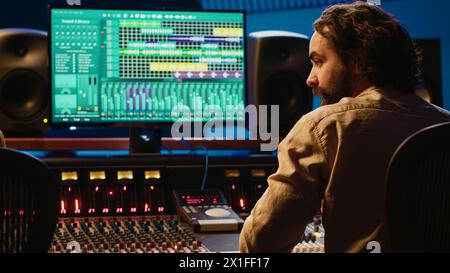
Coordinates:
23 95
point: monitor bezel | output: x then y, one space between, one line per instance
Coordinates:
134 124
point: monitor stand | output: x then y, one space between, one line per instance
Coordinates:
145 140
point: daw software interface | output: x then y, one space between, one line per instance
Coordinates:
138 65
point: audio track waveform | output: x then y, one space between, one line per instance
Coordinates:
149 49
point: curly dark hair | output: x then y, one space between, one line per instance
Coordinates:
366 34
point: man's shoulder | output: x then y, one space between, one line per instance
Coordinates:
343 114
371 103
343 107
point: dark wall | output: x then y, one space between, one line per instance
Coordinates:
33 14
27 14
431 69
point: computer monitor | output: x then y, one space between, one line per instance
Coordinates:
134 67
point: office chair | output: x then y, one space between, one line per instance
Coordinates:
2 140
28 203
418 192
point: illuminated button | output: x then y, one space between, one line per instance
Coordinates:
152 175
231 173
258 173
218 212
97 175
65 176
121 175
317 235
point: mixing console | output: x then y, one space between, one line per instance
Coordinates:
149 234
122 205
314 238
158 234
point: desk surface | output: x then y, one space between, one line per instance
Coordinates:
220 242
63 144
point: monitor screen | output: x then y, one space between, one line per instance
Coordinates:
144 66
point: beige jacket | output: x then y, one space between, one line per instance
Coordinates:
335 159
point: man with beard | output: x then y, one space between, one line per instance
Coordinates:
334 160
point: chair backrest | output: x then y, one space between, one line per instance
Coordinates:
418 192
28 203
2 140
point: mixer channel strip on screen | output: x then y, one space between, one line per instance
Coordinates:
146 101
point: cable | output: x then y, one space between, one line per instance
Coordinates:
187 144
166 148
194 149
205 173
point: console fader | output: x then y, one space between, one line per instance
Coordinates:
125 204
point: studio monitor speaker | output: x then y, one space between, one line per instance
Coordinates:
24 94
278 65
